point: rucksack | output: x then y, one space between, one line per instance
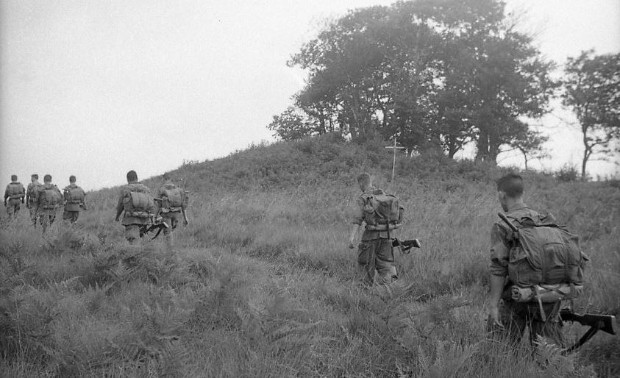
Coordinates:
381 208
544 253
50 197
74 195
173 198
138 202
16 190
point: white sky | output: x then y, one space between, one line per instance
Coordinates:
96 88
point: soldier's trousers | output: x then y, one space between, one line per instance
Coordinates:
12 208
172 220
46 220
377 257
71 216
515 316
33 215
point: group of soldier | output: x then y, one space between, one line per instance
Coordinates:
508 317
44 200
141 210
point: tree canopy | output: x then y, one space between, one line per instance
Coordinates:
592 91
437 74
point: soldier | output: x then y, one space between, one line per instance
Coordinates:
31 197
139 208
375 254
48 200
507 317
74 201
172 202
15 194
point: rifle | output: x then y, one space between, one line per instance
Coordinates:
158 224
406 245
605 323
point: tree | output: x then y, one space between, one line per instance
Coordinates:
592 91
436 74
292 124
530 144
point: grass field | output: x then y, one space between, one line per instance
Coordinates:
262 284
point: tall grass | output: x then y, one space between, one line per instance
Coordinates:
261 282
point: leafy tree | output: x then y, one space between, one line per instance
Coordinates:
437 74
292 124
530 144
592 91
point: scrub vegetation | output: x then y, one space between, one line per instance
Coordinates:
262 284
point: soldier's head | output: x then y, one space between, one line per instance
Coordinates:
364 180
13 178
47 178
167 177
34 177
72 179
132 176
510 190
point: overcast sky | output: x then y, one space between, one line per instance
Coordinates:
96 88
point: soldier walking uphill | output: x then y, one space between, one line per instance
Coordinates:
535 265
136 202
15 194
31 197
74 201
48 200
375 253
172 202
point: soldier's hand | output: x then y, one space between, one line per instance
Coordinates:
185 222
494 317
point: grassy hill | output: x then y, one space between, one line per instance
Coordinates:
261 283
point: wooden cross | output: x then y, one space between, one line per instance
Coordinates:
394 148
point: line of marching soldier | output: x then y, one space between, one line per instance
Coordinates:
44 200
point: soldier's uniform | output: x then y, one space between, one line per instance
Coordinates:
131 221
74 202
515 316
169 213
31 200
375 253
13 197
46 211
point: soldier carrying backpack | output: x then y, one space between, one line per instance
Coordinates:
15 194
535 265
48 200
74 201
378 214
31 197
172 202
138 206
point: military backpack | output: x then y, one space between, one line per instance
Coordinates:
381 208
15 190
50 197
138 203
173 198
543 253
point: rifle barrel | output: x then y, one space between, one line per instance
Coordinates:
507 221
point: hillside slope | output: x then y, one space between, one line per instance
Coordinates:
261 283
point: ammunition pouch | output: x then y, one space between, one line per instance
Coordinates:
139 214
545 293
383 227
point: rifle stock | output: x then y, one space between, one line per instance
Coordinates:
406 245
605 323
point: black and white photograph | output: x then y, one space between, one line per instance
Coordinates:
330 188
